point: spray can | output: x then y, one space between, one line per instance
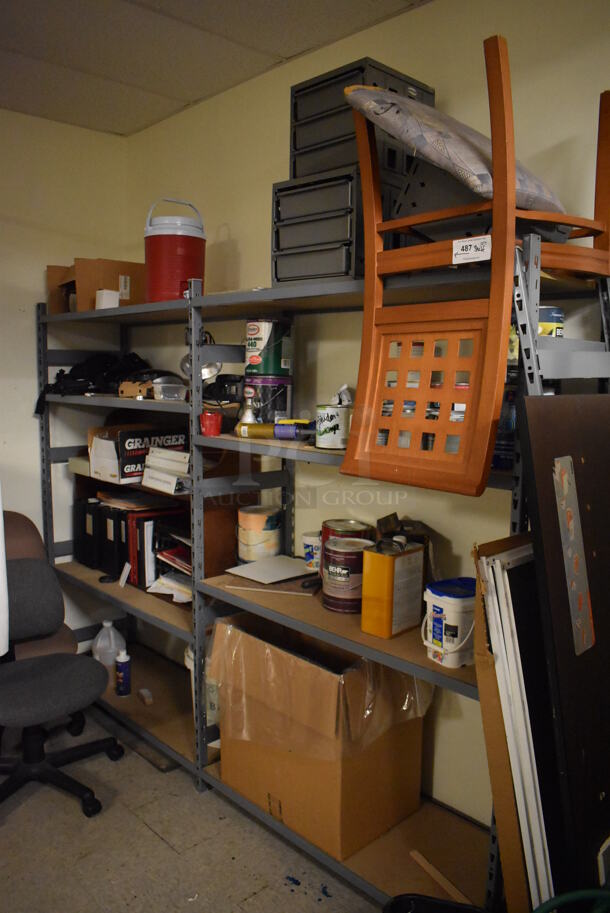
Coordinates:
123 674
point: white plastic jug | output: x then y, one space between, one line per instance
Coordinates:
107 644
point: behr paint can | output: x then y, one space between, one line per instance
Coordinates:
342 575
268 348
332 426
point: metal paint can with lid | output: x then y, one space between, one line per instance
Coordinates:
345 529
342 574
332 426
268 347
271 396
550 320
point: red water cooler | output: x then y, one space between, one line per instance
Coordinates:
175 252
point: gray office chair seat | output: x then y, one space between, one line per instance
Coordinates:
37 690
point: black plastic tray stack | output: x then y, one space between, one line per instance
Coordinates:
317 217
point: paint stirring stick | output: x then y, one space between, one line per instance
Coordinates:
440 879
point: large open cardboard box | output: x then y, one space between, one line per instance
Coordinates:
86 276
313 738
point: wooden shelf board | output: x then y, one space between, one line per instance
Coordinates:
130 598
283 450
455 846
306 613
170 716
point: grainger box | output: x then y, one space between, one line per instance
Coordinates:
117 452
305 729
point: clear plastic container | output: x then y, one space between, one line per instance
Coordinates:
107 644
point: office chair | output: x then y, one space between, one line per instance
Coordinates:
22 540
41 688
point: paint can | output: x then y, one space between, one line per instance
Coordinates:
550 320
346 529
312 545
271 397
448 626
259 533
268 347
332 426
342 574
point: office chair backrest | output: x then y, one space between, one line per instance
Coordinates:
22 539
35 601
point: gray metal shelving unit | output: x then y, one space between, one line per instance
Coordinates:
133 602
209 597
187 627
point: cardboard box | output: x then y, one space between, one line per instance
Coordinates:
117 452
86 276
305 738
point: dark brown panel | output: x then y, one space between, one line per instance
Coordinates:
579 427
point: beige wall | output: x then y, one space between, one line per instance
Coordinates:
67 192
62 195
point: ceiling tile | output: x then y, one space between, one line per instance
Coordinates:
129 44
282 27
121 65
45 90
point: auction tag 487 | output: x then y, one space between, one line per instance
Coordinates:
467 250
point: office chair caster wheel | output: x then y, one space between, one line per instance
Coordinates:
116 752
76 724
91 807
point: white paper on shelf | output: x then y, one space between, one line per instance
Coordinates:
3 588
171 585
272 570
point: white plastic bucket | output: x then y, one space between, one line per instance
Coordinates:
448 625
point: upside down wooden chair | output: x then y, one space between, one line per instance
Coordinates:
431 376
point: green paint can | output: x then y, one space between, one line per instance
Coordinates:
268 347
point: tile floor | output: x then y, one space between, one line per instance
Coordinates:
158 846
